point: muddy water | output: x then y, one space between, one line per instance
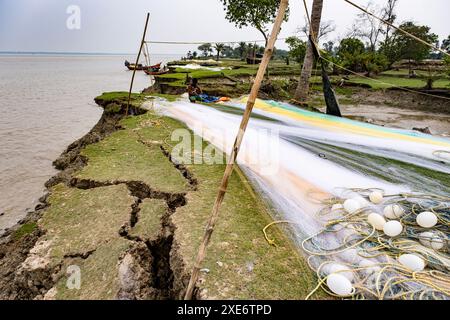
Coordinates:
46 102
439 124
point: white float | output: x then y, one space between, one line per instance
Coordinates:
393 211
392 228
376 220
351 205
337 207
339 285
339 269
362 202
431 240
427 219
412 262
376 197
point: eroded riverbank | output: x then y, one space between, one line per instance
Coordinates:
130 220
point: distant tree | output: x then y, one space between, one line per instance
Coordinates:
352 54
189 55
373 62
255 13
350 47
401 46
326 27
446 44
219 48
329 47
370 29
281 54
297 48
388 14
242 49
195 54
228 51
206 49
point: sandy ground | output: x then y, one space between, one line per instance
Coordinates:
438 123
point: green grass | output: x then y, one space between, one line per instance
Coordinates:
149 223
78 221
121 157
25 229
419 73
81 221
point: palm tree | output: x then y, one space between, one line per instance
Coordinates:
302 91
242 48
219 48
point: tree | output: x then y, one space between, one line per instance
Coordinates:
367 27
446 45
256 13
370 29
389 15
352 54
349 54
400 46
297 48
329 47
326 27
219 48
206 49
242 49
228 51
302 91
373 62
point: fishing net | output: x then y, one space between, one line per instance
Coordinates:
370 259
322 162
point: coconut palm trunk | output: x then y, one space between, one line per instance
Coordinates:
302 91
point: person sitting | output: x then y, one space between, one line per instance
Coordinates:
194 91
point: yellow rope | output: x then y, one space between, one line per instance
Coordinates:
271 241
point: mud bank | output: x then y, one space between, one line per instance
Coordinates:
123 220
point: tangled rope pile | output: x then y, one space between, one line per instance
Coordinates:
360 255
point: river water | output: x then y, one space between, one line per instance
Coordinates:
46 102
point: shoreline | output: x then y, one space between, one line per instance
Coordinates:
31 271
21 238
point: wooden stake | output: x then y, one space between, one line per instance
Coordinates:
137 61
237 144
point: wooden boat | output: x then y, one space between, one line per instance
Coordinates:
140 67
132 66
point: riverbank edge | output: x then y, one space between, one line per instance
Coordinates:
17 242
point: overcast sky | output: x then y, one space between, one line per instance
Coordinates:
115 26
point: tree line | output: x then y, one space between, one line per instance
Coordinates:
372 46
240 50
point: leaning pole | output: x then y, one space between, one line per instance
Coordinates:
237 144
137 61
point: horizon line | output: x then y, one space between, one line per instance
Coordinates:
78 53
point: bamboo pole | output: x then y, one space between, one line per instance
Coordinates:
237 144
137 61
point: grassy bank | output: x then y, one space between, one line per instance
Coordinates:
129 220
236 78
